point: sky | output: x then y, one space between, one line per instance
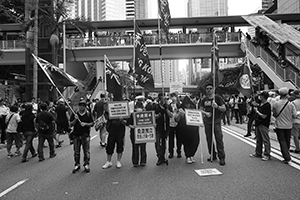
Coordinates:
235 7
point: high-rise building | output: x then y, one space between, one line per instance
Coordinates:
139 6
266 4
199 8
166 72
288 6
100 10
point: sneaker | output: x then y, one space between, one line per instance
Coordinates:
192 159
119 165
222 161
189 161
255 155
295 151
76 168
143 164
179 155
41 159
87 168
171 155
247 135
53 155
107 165
24 160
18 153
10 155
286 161
266 158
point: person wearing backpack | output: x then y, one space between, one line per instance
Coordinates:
12 120
82 122
46 127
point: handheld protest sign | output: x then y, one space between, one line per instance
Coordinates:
193 117
118 109
144 134
144 118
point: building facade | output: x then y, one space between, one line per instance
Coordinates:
140 7
199 8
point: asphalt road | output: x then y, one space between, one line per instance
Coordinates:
243 177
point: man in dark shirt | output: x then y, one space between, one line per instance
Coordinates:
162 115
99 110
262 123
82 122
208 103
46 127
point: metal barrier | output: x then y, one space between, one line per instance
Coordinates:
284 73
180 38
12 44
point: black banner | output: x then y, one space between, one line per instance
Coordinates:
164 13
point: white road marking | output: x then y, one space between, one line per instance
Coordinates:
274 152
94 137
12 187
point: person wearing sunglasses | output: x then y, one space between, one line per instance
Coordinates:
208 103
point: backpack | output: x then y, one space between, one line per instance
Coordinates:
43 127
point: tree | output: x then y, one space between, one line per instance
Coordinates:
12 11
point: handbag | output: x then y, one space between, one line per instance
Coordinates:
100 122
275 129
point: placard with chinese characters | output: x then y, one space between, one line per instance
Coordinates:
118 109
144 134
144 118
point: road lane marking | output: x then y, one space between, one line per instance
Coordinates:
12 187
94 137
274 152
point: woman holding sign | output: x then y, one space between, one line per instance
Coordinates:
189 134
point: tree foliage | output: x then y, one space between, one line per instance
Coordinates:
12 11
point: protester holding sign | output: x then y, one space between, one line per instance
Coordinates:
138 150
188 134
208 103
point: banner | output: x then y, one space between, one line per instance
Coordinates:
113 83
164 13
244 82
57 75
143 69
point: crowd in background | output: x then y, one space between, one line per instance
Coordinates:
21 123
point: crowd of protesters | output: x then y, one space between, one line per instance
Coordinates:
47 120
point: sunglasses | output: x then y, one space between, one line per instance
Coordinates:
209 88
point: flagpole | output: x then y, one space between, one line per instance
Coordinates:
105 81
134 39
51 81
160 53
214 88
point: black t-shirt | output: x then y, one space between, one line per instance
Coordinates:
266 110
47 118
206 103
78 129
163 121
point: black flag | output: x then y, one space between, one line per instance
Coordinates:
142 69
113 83
164 13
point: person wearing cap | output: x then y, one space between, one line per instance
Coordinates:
208 103
296 122
284 112
262 123
82 122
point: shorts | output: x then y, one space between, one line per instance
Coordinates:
295 130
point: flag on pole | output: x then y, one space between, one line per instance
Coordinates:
164 13
113 83
215 60
142 66
56 75
244 82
